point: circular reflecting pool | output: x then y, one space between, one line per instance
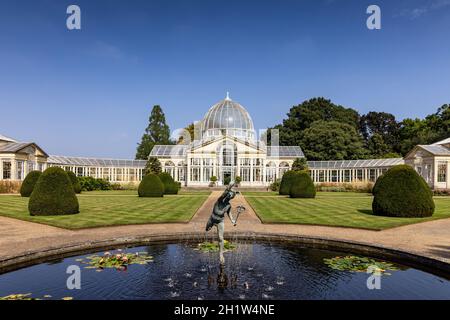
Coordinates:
252 271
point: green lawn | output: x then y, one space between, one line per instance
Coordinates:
110 208
343 209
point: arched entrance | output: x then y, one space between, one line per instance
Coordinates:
227 160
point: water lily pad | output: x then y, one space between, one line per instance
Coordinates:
214 246
359 264
118 261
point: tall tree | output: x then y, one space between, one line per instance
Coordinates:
377 147
157 132
302 116
153 166
381 123
191 129
332 141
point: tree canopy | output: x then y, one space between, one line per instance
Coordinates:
157 132
332 140
325 130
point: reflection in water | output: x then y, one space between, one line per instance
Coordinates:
252 271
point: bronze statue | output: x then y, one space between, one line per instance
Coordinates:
222 207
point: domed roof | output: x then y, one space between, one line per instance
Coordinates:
230 116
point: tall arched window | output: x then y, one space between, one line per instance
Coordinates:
169 167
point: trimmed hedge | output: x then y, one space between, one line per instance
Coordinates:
91 184
302 186
29 182
286 182
170 186
151 186
402 192
53 194
75 182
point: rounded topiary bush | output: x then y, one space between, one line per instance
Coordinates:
302 186
401 192
29 182
170 186
151 186
75 182
286 181
53 194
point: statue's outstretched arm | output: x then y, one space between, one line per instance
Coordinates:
230 215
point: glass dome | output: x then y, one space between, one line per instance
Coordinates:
228 118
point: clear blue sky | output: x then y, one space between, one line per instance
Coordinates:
89 92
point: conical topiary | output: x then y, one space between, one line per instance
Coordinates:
151 186
53 194
75 182
286 180
29 183
170 186
402 192
302 186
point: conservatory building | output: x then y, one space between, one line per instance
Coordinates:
224 147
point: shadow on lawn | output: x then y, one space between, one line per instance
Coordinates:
366 211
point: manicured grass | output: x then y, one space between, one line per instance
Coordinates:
343 209
111 208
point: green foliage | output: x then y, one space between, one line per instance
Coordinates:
170 186
214 246
377 147
75 182
300 164
29 182
227 180
93 184
401 192
384 127
332 141
53 194
157 132
118 260
302 116
359 264
286 182
302 186
238 179
275 186
153 166
213 179
151 187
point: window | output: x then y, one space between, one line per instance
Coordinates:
321 176
30 166
6 170
119 173
347 175
360 175
372 175
334 176
20 170
442 171
195 174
